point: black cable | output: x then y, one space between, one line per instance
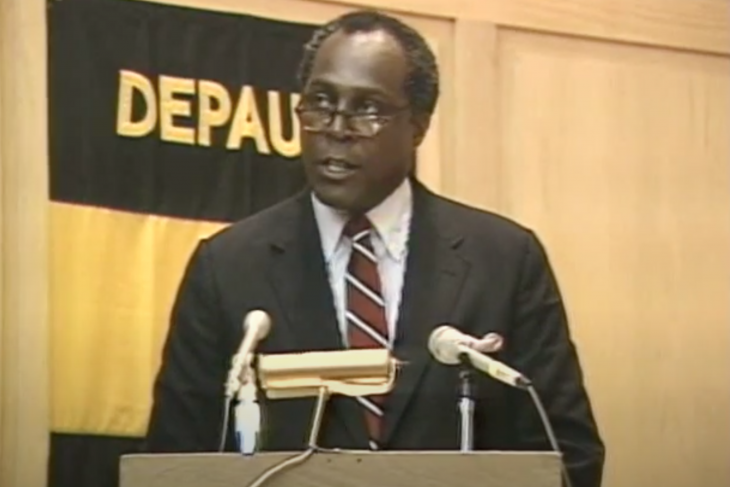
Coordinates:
549 430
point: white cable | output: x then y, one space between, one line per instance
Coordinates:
224 429
289 462
306 454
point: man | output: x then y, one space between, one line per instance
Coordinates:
369 257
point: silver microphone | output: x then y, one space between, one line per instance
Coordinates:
449 346
256 326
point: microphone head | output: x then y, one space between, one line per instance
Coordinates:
259 322
443 344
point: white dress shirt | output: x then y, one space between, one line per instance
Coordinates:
391 222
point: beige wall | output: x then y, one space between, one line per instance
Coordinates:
601 123
23 244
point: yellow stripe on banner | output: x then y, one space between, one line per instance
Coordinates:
114 276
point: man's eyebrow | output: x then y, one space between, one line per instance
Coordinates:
360 87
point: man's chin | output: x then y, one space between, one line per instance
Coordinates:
341 199
337 198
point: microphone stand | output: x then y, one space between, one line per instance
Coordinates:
466 409
466 404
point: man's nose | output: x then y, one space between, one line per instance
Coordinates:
338 128
338 125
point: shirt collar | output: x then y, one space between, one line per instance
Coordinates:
391 220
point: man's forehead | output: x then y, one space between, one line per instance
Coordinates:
373 56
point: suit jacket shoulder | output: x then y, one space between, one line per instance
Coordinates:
484 225
490 240
258 229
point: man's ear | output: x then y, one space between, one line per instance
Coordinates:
421 123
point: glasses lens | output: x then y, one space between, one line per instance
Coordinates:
321 120
315 119
366 126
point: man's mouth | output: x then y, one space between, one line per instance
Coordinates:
338 167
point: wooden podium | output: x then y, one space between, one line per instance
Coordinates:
346 469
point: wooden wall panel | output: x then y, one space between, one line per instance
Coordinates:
24 384
701 25
618 156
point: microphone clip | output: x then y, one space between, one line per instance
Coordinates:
466 377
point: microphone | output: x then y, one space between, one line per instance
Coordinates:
256 326
449 346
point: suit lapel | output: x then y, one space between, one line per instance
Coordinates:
301 286
435 272
299 279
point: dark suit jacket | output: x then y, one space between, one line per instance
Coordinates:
476 270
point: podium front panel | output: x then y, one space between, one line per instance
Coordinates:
347 469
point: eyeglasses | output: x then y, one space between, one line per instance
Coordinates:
318 119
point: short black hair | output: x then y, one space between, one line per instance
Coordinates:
422 82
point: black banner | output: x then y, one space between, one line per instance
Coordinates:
172 111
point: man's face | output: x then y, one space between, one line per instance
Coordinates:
355 164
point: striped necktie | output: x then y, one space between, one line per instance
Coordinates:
366 322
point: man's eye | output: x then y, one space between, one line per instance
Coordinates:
320 100
370 107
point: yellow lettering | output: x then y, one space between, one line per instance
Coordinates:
287 148
129 81
210 117
247 123
171 107
173 101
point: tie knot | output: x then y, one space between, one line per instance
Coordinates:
357 227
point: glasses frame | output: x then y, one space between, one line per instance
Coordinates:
380 120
